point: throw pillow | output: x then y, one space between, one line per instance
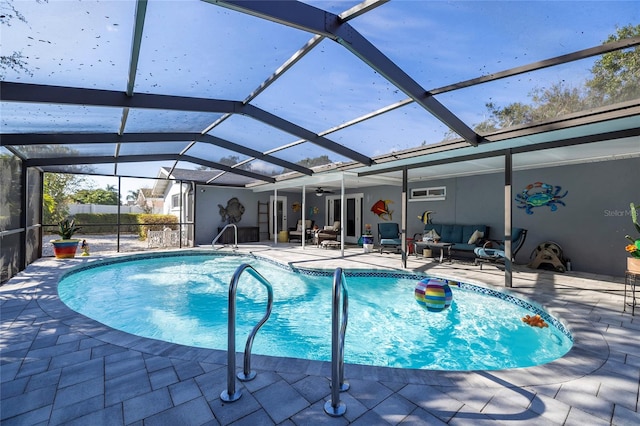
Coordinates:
475 237
328 228
299 228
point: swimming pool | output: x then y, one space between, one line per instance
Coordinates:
182 298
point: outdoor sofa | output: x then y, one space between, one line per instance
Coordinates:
465 238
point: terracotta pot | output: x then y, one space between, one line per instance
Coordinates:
633 265
65 249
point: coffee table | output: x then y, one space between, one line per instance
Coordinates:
418 246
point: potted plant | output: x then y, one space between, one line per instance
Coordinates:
367 239
66 246
633 262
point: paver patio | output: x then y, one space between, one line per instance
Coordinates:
59 367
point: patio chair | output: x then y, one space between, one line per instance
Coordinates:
329 232
389 236
493 251
297 232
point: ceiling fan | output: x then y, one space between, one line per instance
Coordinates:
320 192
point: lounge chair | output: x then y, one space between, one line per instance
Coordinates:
297 232
389 236
493 251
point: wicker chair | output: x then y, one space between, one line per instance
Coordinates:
328 233
297 232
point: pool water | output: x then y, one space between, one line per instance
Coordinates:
184 300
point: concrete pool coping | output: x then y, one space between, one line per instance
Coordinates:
566 298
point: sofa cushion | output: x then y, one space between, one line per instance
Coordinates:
458 234
452 234
467 232
475 237
390 241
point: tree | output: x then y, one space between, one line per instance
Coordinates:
10 177
108 196
315 161
616 76
546 103
232 160
15 60
511 115
133 195
557 101
58 188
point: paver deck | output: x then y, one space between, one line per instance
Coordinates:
59 367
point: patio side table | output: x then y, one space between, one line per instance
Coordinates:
630 281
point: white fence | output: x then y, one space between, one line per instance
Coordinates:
99 208
165 238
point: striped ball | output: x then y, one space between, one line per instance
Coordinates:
433 294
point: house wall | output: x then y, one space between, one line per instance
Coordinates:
590 227
316 209
208 217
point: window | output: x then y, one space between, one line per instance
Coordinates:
436 193
175 201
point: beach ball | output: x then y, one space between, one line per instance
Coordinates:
433 294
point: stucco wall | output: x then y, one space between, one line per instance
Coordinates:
208 217
590 228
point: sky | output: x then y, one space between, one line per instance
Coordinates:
193 48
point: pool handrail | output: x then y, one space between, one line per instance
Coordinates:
334 407
230 394
215 240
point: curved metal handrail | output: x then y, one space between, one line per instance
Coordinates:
221 232
231 395
335 407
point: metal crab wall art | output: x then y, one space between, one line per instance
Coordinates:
540 194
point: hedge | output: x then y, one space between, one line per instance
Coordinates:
135 223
